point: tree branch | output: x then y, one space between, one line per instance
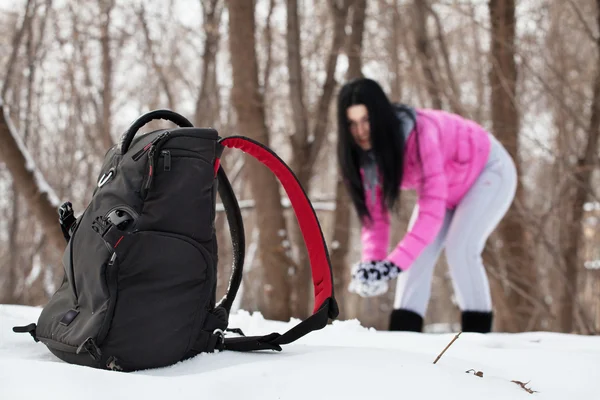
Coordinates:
340 13
586 26
16 44
164 82
30 183
424 51
455 97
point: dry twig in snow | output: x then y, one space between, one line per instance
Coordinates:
449 344
524 386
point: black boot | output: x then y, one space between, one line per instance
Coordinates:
405 320
477 321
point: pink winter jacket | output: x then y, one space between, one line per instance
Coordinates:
453 151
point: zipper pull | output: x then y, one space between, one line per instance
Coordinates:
150 167
167 155
140 153
161 137
90 346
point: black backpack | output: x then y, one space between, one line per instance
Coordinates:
141 261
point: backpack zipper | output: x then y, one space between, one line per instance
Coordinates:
111 276
152 158
87 346
150 175
58 345
149 146
167 155
154 150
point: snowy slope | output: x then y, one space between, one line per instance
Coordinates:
342 361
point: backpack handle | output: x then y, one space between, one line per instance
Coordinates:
165 114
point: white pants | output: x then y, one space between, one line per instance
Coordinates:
463 236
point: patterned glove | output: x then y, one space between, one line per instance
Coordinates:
370 278
375 271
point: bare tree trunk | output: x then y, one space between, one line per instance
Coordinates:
306 145
249 105
207 114
582 187
505 118
394 42
355 39
296 81
207 104
300 279
480 85
339 246
106 7
28 184
563 233
8 294
424 49
563 189
40 199
32 51
268 35
8 291
22 227
35 52
341 219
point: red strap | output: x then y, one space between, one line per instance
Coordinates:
307 218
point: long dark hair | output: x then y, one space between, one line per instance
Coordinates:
387 143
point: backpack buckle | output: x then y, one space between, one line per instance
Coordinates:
107 176
109 232
66 219
101 225
113 364
220 339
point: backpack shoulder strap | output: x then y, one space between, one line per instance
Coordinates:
325 305
238 240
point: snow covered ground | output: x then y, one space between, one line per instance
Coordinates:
342 361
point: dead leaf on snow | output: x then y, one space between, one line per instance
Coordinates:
476 373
